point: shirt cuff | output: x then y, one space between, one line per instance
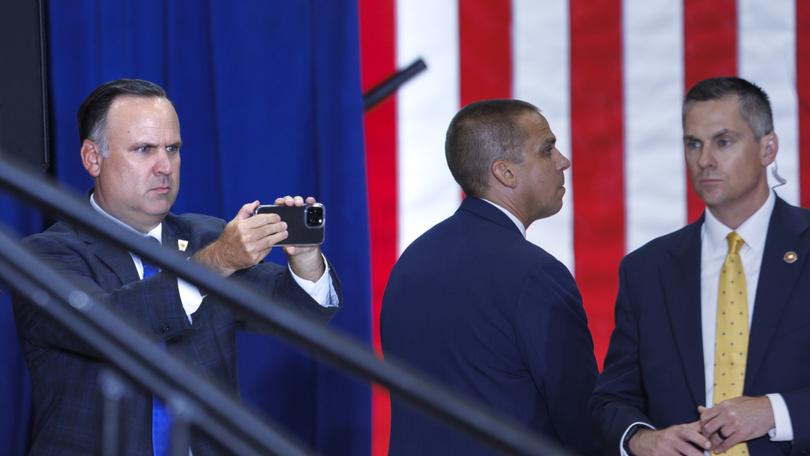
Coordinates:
621 441
322 290
783 427
190 297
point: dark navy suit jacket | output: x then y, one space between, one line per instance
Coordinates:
654 368
64 371
476 306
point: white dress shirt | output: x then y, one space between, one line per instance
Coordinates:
511 216
714 249
322 290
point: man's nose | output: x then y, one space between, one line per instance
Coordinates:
564 163
163 162
706 158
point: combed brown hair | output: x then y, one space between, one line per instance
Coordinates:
755 107
92 114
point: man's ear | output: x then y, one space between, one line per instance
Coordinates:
91 157
503 172
770 146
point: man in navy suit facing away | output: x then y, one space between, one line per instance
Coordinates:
130 146
476 306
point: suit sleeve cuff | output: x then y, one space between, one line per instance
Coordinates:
622 446
783 428
322 290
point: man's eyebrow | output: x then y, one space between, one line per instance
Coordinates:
550 141
138 144
725 131
722 132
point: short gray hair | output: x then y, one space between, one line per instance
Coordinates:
481 133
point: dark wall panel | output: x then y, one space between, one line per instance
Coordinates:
23 88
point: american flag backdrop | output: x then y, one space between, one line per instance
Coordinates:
609 75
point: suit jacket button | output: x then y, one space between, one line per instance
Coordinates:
164 329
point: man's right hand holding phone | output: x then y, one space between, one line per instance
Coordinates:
305 261
248 238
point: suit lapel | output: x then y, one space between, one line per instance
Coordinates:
777 279
681 282
116 258
175 237
120 261
169 236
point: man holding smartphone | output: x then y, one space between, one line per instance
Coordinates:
130 145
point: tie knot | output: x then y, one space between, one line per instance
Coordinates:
735 242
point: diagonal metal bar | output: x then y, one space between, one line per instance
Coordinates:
392 83
492 428
220 415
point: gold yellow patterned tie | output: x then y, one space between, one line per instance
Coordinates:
731 337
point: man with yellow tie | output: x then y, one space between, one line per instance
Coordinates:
711 350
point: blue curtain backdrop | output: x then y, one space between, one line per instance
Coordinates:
15 390
268 94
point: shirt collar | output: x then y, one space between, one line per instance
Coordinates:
753 230
155 232
511 216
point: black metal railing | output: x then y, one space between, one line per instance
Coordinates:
167 378
218 414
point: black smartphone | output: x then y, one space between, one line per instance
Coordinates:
304 223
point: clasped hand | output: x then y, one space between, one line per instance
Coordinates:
719 428
736 420
248 238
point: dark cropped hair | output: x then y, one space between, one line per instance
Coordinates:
481 133
755 107
92 114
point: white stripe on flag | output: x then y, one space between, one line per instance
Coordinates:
426 190
655 178
540 50
767 52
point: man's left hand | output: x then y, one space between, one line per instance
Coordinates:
305 261
736 420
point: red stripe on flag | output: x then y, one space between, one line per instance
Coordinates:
803 88
378 54
710 50
597 143
485 49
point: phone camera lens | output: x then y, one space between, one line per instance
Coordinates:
314 216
